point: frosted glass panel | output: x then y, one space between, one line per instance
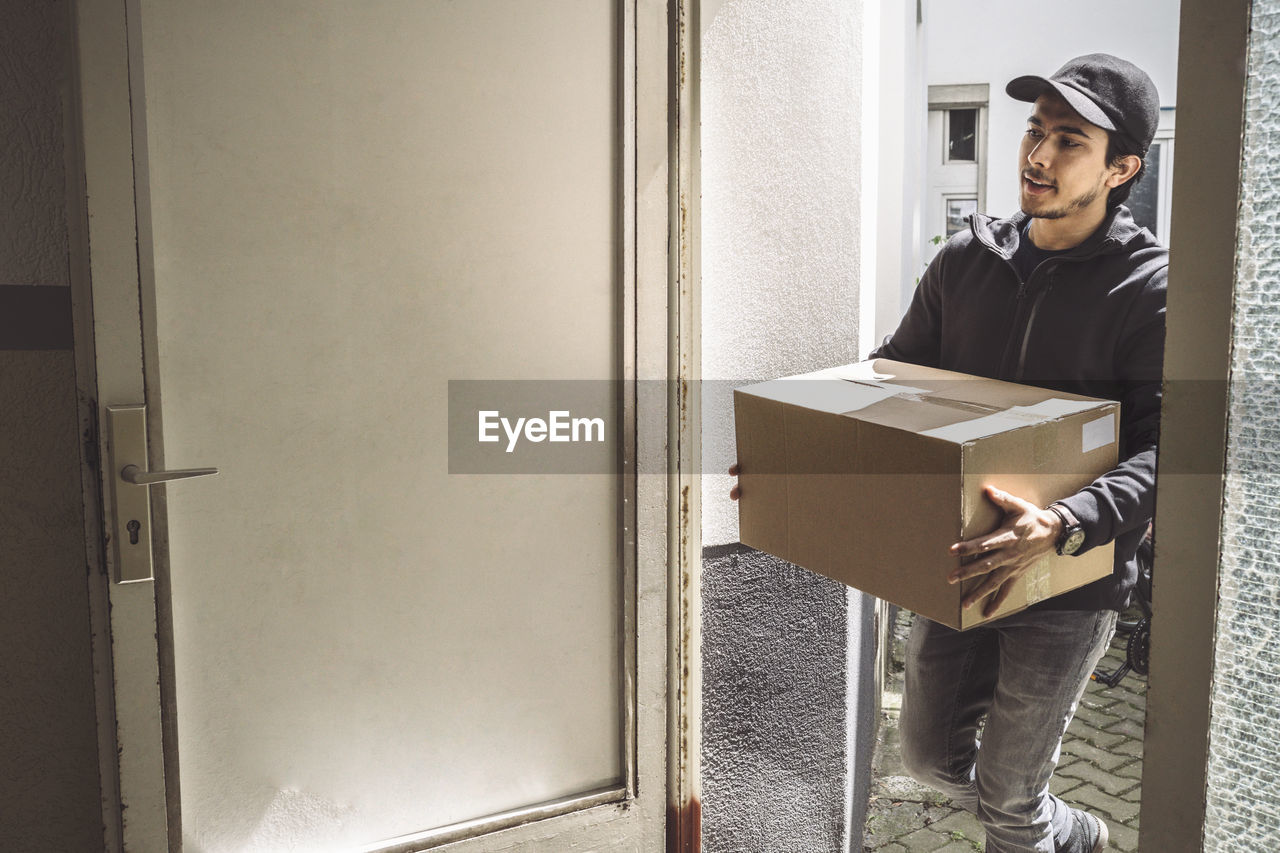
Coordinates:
1244 761
352 204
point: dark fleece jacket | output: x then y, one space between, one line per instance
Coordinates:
1089 321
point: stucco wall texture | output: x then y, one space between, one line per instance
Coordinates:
1244 764
33 90
49 793
774 669
49 788
780 95
780 99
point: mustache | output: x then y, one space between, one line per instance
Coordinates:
1037 176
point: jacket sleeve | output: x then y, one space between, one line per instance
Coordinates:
1124 498
918 338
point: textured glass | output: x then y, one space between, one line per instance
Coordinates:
1243 808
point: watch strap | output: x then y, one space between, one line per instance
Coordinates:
1070 526
1068 517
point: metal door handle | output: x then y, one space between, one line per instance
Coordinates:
134 474
130 531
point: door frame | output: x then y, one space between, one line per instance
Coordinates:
1213 51
684 643
116 340
1212 40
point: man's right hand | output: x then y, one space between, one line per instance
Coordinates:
735 491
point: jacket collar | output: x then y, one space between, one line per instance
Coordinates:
1002 235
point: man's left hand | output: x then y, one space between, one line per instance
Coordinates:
1028 533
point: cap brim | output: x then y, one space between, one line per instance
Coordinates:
1030 87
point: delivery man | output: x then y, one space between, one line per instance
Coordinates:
1069 294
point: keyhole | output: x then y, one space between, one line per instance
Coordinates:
133 527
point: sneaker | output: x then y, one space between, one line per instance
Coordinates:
1088 834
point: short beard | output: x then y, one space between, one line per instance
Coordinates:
1076 204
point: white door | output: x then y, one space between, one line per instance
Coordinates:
308 217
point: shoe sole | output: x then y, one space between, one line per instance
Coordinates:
1101 844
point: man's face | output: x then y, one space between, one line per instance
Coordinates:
1062 164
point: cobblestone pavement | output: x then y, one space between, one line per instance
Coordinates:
1100 769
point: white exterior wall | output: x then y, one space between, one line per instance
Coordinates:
903 106
787 254
1008 40
781 101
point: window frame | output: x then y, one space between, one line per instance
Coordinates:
946 134
965 96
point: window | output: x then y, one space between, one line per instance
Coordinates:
958 212
1149 200
956 177
962 136
1144 201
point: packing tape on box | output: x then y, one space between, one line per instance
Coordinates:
1002 420
918 396
1038 587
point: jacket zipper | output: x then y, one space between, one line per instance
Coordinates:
1102 247
1050 272
1017 303
1031 318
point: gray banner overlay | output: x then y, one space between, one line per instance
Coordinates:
504 426
575 426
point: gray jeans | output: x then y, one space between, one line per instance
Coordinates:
1026 674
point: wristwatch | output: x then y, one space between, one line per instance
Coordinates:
1072 536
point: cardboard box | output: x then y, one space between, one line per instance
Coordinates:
867 473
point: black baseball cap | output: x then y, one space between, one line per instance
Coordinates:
1105 90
